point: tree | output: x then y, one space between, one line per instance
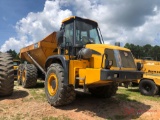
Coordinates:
155 52
147 50
13 53
135 49
144 51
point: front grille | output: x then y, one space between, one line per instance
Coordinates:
127 60
120 58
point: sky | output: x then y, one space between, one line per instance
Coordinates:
23 22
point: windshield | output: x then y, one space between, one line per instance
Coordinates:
86 33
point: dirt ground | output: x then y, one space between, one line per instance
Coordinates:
31 104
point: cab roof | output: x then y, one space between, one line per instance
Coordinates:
78 18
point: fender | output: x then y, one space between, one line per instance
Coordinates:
61 60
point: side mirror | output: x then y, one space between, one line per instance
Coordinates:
59 36
139 66
108 64
91 41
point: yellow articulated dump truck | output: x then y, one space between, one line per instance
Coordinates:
150 83
16 63
6 74
76 57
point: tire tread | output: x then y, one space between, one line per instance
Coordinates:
6 74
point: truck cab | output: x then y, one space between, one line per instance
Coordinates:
77 33
81 43
75 57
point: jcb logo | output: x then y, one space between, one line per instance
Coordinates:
150 71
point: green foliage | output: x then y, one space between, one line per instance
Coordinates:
144 51
134 95
13 53
56 118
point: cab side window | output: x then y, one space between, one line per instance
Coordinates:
69 34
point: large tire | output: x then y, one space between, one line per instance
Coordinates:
6 74
104 91
56 91
148 87
29 76
158 90
19 74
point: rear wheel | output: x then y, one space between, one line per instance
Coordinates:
148 87
6 74
57 92
104 91
29 76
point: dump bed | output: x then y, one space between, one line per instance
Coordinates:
41 50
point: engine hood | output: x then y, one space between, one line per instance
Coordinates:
100 47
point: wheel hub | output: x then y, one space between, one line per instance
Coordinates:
147 88
53 84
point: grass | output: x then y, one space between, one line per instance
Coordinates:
62 117
134 94
15 117
21 117
126 99
37 93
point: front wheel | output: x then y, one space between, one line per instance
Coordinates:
104 91
148 87
56 91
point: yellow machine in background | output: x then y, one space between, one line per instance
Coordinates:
16 63
149 84
76 58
